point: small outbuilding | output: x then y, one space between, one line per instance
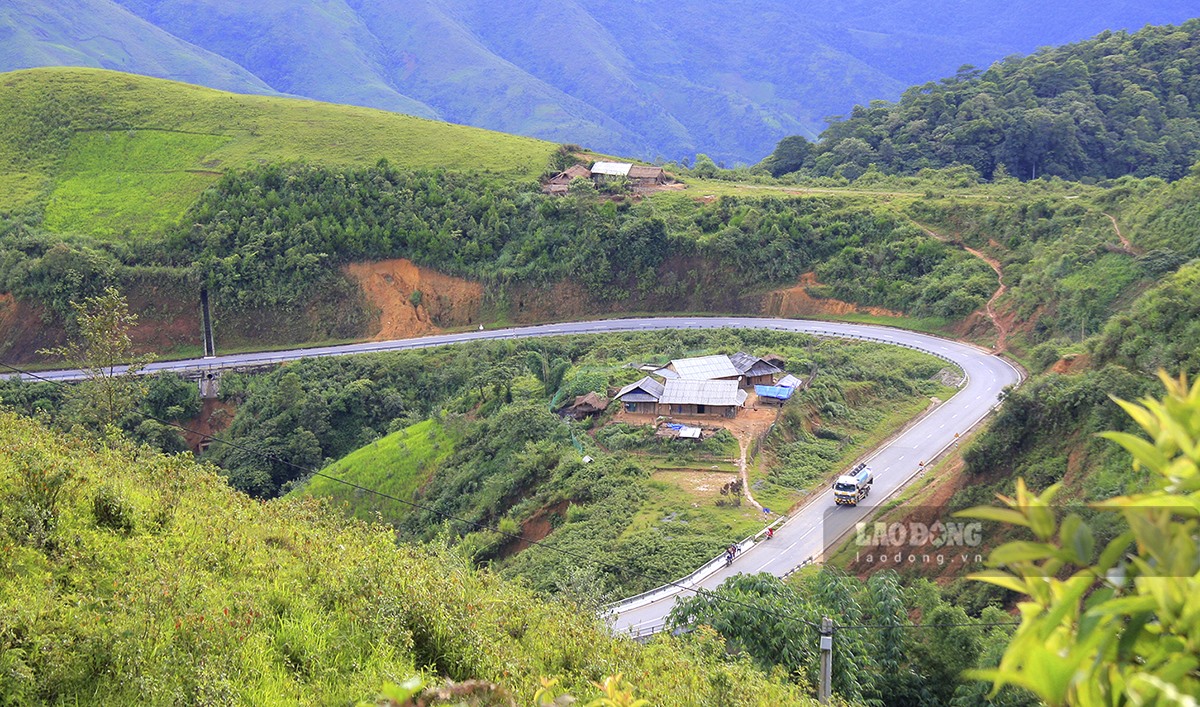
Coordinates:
773 394
789 381
586 406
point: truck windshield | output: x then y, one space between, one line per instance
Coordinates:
850 488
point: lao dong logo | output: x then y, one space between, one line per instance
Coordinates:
918 543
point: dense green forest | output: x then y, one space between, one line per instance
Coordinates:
1118 104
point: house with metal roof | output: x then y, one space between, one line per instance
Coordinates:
610 170
700 368
641 396
755 371
719 398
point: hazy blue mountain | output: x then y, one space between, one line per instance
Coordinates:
102 34
636 77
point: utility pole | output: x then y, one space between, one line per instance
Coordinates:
824 691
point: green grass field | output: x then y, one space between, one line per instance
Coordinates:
397 465
104 152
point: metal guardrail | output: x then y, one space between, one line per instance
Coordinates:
694 579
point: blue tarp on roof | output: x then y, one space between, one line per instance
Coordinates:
774 391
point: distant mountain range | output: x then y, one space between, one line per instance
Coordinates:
642 78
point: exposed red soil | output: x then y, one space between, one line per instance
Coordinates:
388 286
1072 364
536 528
1003 328
796 301
167 318
23 331
166 321
943 565
215 415
1126 247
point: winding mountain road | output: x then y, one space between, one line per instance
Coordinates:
812 529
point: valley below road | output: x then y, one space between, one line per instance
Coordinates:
811 529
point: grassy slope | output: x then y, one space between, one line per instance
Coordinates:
396 465
105 150
192 593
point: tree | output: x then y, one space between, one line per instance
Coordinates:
789 155
103 352
704 167
1121 626
549 371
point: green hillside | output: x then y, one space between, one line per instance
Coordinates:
130 577
105 153
397 465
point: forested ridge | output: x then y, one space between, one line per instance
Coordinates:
1121 103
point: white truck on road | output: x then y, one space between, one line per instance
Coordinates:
851 488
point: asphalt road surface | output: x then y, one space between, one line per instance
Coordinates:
808 532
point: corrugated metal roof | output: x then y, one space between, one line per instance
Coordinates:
752 365
762 368
704 368
612 169
789 381
779 392
637 397
690 432
703 392
650 387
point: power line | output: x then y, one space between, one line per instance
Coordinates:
919 626
448 516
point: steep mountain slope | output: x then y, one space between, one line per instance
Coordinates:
646 79
318 50
102 34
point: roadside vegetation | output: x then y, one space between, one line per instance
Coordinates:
130 576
